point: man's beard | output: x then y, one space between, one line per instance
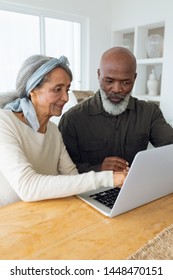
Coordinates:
110 107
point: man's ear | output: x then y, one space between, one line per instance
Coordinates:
98 73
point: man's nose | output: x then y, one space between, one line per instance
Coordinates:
117 86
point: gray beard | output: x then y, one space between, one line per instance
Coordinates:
111 108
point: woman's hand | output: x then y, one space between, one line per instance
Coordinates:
119 178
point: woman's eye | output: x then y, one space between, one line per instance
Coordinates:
57 89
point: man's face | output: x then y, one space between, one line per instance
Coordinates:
116 82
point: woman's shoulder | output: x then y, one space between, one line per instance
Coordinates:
9 120
5 114
53 128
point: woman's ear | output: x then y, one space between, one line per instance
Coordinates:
32 94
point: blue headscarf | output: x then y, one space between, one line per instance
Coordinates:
24 104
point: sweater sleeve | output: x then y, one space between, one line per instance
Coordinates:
31 186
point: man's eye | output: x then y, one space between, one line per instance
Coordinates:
124 83
127 83
108 81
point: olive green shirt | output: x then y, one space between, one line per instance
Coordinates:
90 134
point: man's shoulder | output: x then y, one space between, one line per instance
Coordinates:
144 104
80 108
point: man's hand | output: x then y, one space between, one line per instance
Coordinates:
114 164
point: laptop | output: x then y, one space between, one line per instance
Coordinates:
150 177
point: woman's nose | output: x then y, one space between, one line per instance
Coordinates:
64 96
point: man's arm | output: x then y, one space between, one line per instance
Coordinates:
161 132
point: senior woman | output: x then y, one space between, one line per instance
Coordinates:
34 163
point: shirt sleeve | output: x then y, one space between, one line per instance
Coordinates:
31 186
161 133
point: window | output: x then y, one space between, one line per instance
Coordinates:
23 35
19 35
63 37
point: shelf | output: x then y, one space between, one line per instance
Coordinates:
150 61
135 39
142 35
125 38
147 97
143 72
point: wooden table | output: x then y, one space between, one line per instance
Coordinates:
69 229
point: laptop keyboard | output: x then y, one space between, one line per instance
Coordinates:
107 197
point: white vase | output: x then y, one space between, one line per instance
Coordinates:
152 84
155 46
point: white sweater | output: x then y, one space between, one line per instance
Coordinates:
34 166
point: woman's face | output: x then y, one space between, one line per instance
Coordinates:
51 97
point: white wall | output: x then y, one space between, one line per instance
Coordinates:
97 15
130 13
137 12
